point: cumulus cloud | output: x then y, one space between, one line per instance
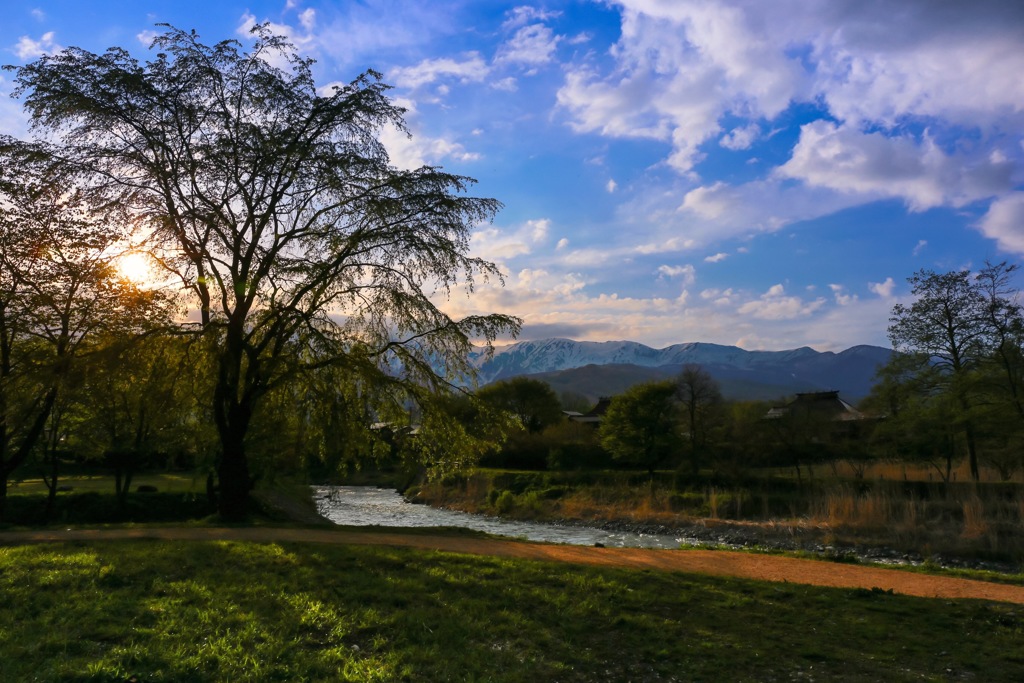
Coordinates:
740 138
687 272
895 86
499 244
611 185
1004 222
775 305
471 68
531 45
845 159
680 68
883 289
413 151
716 258
27 49
842 298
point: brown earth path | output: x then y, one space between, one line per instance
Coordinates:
715 562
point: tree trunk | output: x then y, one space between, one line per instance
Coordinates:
232 413
972 450
233 475
51 486
3 495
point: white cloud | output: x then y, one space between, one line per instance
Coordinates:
26 48
740 138
549 298
611 185
38 14
508 84
716 258
919 247
668 246
146 37
471 68
522 15
1004 222
687 272
872 164
308 19
498 244
532 45
562 244
842 298
883 289
681 70
420 150
305 41
775 305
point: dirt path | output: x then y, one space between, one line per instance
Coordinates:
715 562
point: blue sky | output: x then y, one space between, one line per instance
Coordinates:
739 172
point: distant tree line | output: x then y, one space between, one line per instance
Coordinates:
953 392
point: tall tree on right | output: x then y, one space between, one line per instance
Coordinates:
946 328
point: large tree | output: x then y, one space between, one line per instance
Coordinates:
277 207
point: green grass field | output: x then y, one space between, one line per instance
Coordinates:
165 611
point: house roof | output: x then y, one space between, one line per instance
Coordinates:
819 403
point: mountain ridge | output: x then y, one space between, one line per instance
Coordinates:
742 374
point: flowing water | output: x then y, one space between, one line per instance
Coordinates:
368 506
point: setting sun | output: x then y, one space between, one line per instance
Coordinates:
136 267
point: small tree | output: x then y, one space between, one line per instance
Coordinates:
701 402
534 404
641 426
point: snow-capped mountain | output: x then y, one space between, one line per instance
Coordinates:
851 371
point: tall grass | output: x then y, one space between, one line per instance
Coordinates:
958 521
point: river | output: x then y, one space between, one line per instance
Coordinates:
368 506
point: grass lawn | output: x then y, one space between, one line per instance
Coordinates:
188 611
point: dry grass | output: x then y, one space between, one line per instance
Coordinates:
895 471
962 522
927 518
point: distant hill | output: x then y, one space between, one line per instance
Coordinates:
607 368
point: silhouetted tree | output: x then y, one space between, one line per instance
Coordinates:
277 208
701 401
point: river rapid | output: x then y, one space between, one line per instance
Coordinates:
368 506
